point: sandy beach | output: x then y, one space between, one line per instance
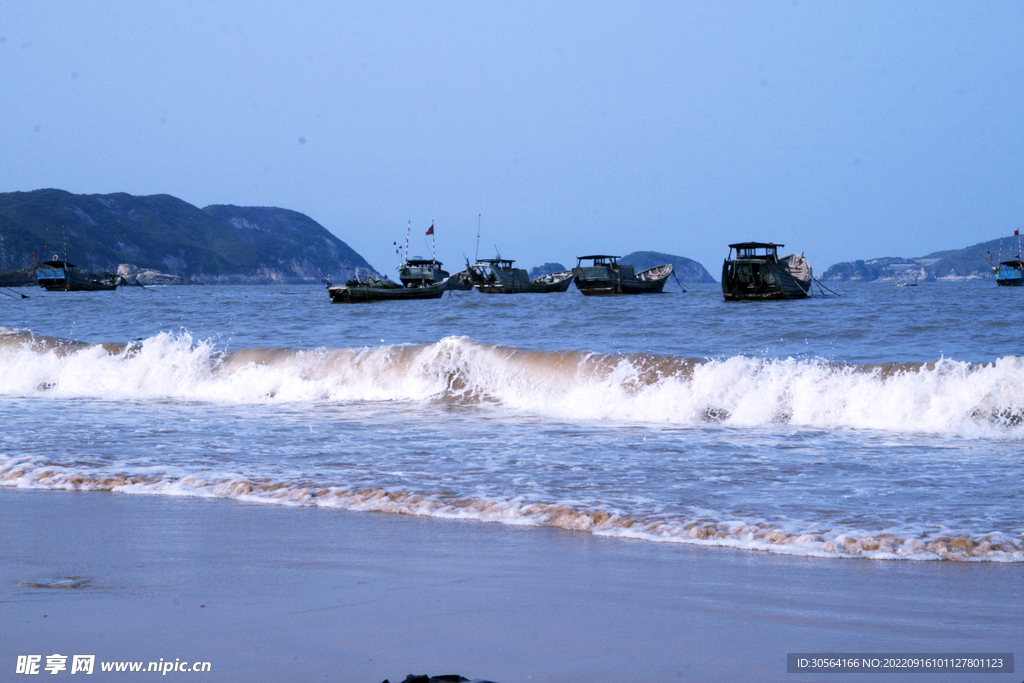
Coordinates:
267 593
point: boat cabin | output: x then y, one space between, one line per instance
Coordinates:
1010 272
497 262
56 270
755 251
58 274
418 271
598 259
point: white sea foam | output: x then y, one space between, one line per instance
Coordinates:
945 397
793 538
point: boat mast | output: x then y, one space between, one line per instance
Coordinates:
476 257
408 229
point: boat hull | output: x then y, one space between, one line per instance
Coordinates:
361 294
538 286
761 281
611 280
60 280
497 276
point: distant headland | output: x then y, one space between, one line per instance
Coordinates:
160 239
969 263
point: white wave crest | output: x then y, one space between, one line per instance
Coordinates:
948 397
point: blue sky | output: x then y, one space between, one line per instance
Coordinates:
843 129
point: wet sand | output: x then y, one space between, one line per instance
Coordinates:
269 593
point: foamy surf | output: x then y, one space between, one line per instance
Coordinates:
945 397
789 538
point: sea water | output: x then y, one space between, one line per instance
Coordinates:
886 423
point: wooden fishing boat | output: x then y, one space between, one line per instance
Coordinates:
62 276
606 276
372 289
1009 273
757 272
497 276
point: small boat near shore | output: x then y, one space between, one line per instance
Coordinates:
62 276
757 273
372 289
606 276
497 276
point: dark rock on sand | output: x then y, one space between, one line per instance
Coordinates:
449 678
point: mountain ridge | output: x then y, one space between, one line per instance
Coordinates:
220 243
968 263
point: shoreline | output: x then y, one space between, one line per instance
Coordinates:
266 592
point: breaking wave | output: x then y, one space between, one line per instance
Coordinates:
792 538
943 397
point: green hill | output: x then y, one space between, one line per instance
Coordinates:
166 234
687 270
968 263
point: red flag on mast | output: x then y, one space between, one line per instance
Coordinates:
1016 232
430 231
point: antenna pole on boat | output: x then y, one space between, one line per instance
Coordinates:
64 233
408 229
476 257
433 243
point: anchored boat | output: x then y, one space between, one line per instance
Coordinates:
606 276
372 289
757 272
62 276
497 276
1009 273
